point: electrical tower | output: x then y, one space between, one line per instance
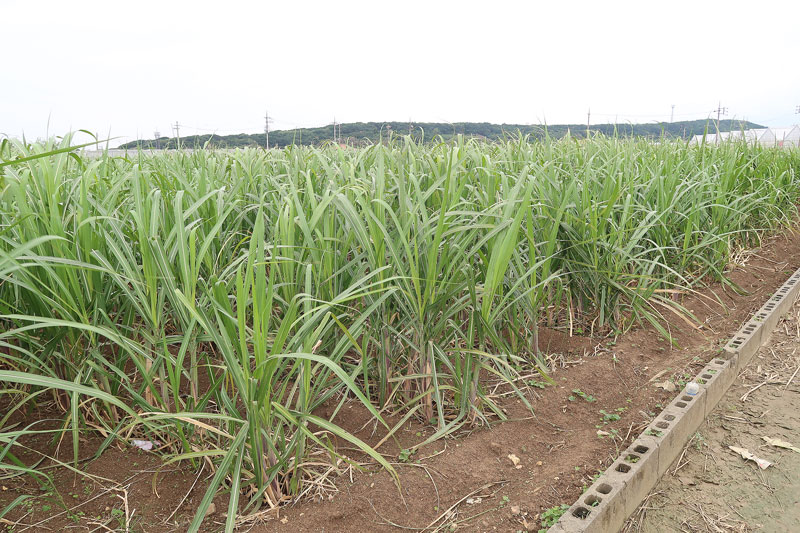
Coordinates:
157 136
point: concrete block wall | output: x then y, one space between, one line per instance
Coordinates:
606 504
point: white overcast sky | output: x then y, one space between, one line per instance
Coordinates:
131 68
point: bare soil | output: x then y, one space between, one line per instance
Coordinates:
711 488
465 483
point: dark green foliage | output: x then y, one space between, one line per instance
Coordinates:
364 133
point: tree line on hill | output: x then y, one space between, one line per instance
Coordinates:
364 133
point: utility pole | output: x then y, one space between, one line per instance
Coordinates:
334 131
157 136
178 133
267 120
672 114
720 111
588 121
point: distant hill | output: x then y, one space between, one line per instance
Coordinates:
358 133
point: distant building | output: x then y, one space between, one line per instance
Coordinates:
768 137
787 137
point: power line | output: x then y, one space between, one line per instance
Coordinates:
216 130
646 115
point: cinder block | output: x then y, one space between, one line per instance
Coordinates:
595 512
609 501
788 291
676 424
715 378
578 518
757 331
767 316
745 342
605 506
642 476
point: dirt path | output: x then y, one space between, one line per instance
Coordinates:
711 488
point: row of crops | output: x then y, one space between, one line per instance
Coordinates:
216 301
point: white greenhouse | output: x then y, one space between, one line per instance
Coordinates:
771 137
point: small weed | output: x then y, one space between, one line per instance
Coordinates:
119 515
550 516
405 455
609 417
588 397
